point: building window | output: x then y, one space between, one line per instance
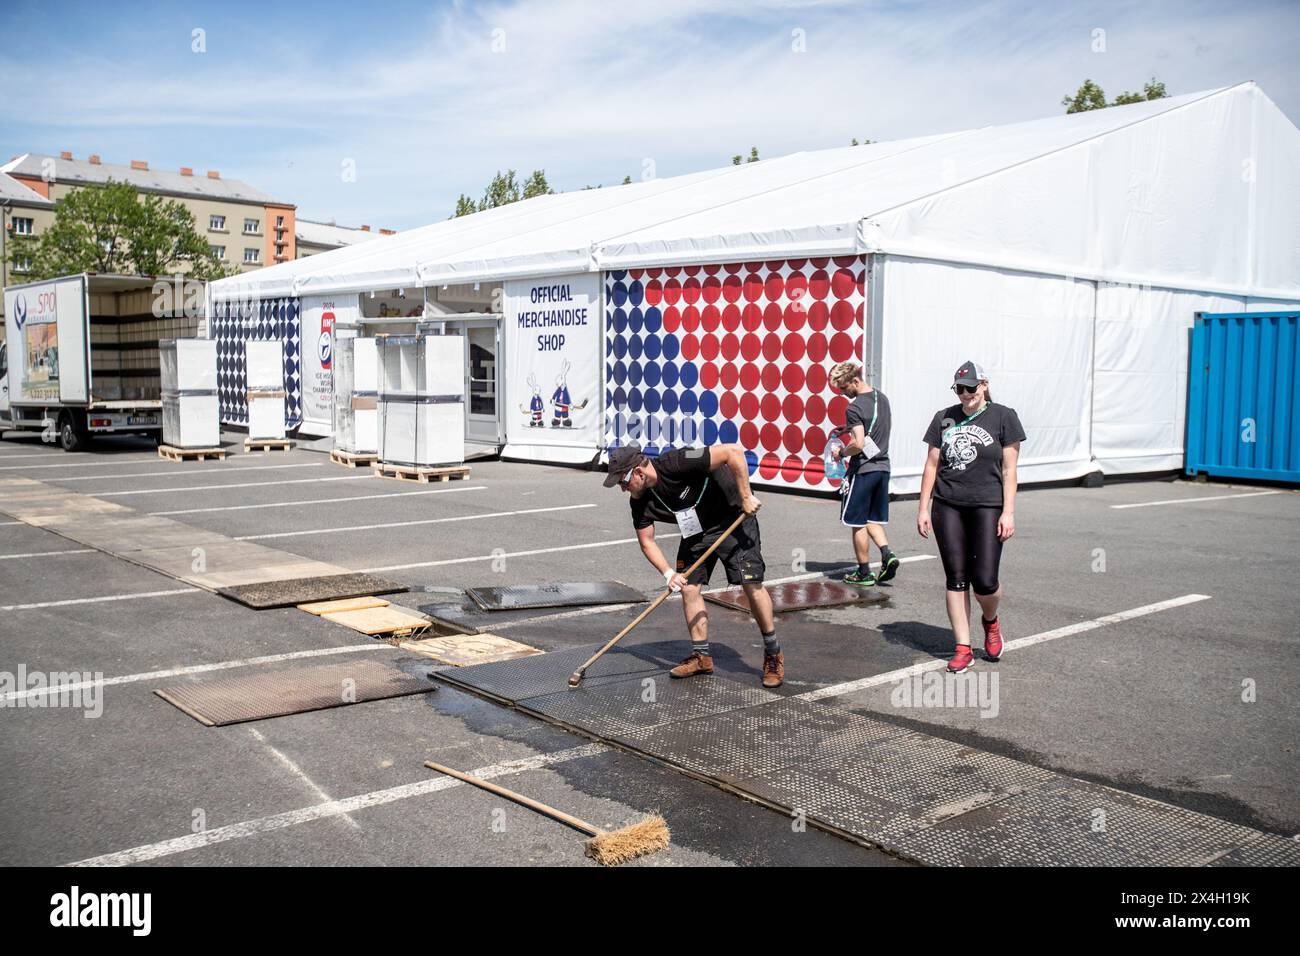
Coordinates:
250 225
252 255
279 222
22 227
279 235
23 265
217 223
219 252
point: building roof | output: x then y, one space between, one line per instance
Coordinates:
1152 193
163 181
328 234
11 190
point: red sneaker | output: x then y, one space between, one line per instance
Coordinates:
962 660
992 639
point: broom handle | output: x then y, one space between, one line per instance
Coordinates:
580 825
663 597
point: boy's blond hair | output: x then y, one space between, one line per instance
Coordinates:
844 373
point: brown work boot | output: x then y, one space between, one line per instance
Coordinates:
695 664
774 669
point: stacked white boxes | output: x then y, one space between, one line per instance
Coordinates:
264 371
190 417
421 400
356 396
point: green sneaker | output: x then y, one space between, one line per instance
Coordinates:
888 569
859 580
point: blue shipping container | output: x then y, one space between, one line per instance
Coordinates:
1243 396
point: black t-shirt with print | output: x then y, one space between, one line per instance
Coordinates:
970 454
685 481
861 411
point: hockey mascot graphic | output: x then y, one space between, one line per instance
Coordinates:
535 408
561 401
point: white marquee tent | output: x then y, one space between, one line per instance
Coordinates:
1067 255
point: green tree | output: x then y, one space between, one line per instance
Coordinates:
464 207
753 157
627 180
537 185
1090 96
1155 90
502 191
113 229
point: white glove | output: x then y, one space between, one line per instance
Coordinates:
668 579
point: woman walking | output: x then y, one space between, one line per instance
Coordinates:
968 495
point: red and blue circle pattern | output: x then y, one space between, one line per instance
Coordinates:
737 353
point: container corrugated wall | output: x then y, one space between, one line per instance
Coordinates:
1243 396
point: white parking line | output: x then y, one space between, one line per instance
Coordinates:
100 463
317 501
333 808
98 600
196 669
838 690
1193 501
241 484
407 524
45 554
174 473
301 774
512 554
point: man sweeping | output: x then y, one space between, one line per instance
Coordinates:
702 491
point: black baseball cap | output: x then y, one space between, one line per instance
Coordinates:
969 374
621 461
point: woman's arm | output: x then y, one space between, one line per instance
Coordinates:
927 490
1007 523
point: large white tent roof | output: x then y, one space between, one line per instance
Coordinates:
1199 191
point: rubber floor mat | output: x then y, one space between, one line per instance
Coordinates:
329 587
801 595
233 700
516 680
554 595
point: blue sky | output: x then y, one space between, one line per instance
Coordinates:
425 101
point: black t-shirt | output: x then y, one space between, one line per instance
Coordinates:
970 452
861 411
685 481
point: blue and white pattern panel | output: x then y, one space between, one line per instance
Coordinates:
268 320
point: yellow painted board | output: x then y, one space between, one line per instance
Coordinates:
347 604
465 649
378 620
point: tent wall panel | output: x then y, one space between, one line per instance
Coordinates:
1032 333
1139 405
696 355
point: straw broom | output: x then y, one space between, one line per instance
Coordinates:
608 847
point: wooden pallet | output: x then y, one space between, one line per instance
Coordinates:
421 475
353 459
267 444
171 453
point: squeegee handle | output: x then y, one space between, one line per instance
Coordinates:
663 597
580 825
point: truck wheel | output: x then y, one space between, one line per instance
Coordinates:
71 437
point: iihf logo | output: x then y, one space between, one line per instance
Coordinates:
20 309
325 345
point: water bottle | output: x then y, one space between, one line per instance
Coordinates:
834 468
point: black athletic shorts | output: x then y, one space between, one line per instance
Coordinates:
741 554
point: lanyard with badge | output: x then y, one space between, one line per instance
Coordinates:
967 420
688 522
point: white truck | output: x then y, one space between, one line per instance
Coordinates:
80 356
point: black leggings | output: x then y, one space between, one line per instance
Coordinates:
968 544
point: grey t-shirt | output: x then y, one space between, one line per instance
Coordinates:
864 410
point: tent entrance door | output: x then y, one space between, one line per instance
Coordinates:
482 336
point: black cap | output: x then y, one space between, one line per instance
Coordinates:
969 374
621 461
